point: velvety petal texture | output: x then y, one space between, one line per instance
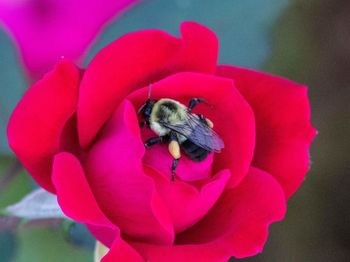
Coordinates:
105 234
122 251
185 203
283 129
134 60
35 127
73 191
236 226
41 28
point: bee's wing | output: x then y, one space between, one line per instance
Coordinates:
198 132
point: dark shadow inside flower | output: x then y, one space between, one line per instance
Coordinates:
69 141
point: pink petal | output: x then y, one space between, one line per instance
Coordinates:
284 132
186 204
104 234
122 251
73 191
46 30
236 226
233 121
135 60
35 127
125 194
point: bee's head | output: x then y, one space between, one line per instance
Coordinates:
146 108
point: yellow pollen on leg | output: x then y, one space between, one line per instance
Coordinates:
174 149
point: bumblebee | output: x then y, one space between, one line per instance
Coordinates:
175 124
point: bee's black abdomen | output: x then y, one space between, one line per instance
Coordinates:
196 153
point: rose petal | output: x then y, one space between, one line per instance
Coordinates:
122 251
69 138
104 234
199 51
284 132
233 119
185 203
126 195
135 60
35 127
46 30
236 226
73 191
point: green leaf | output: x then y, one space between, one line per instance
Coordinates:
244 27
12 85
12 187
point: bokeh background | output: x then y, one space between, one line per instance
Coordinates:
306 41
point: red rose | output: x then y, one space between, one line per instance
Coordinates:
77 134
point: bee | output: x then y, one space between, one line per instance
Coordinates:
175 124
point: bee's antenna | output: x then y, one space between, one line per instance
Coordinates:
210 105
206 103
149 91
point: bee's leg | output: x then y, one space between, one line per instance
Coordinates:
153 141
143 123
174 150
194 102
173 168
206 121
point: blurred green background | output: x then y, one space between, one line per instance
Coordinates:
306 41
